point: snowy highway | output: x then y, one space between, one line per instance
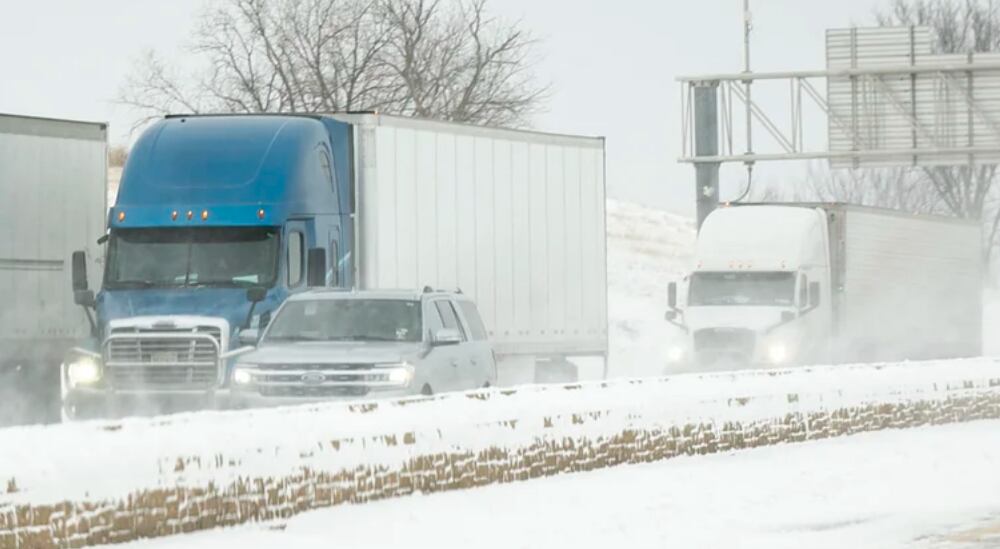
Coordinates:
933 487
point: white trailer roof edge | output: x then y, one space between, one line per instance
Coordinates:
462 128
53 127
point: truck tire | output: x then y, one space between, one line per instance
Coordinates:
426 390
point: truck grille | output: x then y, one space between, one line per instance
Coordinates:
316 392
730 343
317 380
170 359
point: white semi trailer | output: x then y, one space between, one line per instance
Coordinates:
52 181
516 219
787 284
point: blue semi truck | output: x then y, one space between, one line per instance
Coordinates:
219 218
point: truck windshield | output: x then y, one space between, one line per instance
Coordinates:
347 320
763 288
216 256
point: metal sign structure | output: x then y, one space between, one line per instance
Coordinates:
888 101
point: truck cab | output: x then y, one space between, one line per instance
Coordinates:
758 294
218 220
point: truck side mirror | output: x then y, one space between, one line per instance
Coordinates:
256 294
84 298
446 336
670 315
79 265
316 268
814 294
672 295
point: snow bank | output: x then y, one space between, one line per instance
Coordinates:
102 482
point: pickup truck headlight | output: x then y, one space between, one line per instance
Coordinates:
242 375
399 374
83 370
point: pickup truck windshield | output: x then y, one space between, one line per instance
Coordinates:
747 288
347 320
204 256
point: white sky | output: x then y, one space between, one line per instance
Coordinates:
611 64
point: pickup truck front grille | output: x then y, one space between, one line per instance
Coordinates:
318 380
163 359
304 391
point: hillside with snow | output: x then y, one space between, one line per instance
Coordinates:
647 249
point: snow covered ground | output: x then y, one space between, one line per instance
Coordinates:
926 487
647 249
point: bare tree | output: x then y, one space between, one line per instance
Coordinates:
959 26
449 60
968 26
902 189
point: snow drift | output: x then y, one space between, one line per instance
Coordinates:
103 482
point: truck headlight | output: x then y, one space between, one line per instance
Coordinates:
777 353
675 354
242 375
83 370
400 374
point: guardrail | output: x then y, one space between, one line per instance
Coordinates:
106 482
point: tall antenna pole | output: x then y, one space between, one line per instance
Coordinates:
747 27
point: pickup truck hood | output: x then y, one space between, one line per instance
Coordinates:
747 317
333 352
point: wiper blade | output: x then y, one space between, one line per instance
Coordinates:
132 283
213 284
295 338
365 337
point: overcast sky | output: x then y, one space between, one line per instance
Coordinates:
611 65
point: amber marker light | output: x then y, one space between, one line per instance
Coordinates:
121 216
204 215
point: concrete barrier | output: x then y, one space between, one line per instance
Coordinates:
107 482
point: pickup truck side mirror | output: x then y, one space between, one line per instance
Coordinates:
249 336
814 294
79 265
316 268
446 336
672 295
670 315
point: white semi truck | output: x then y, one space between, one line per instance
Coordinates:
52 184
794 284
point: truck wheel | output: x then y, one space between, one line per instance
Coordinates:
426 390
556 371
